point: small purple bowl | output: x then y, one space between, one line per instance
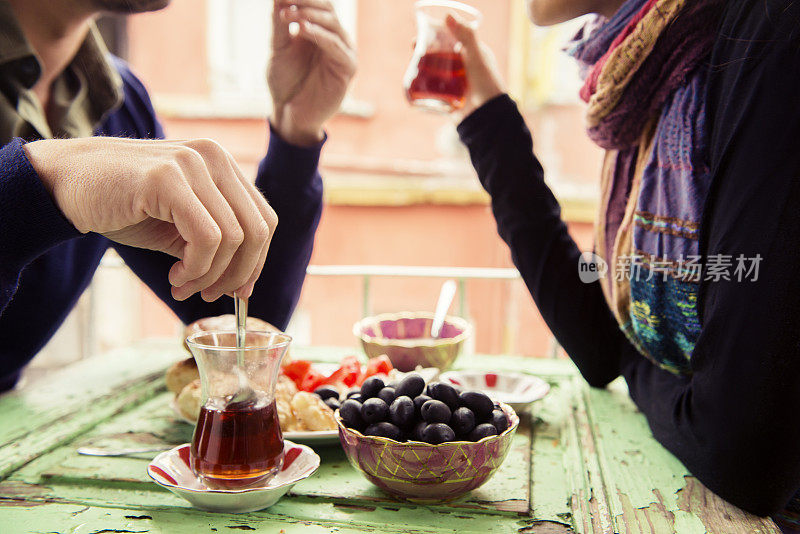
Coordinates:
424 473
405 338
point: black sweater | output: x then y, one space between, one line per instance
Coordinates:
733 421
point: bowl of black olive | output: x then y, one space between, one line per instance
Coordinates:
424 442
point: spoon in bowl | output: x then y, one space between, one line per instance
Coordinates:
446 295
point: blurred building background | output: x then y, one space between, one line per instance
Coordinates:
399 188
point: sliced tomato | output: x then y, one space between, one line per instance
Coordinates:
376 366
296 370
312 380
348 372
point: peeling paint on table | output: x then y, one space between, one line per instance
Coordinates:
583 461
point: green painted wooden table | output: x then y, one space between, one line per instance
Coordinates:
584 461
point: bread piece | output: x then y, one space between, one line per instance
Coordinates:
312 412
285 389
286 417
180 374
188 400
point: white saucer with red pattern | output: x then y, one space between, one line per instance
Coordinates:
171 470
517 390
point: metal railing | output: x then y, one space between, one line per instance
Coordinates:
460 274
368 273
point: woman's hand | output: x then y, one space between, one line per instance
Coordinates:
185 198
483 77
309 72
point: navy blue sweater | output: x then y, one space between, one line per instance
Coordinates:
733 421
45 263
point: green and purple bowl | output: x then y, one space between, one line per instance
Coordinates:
405 338
425 473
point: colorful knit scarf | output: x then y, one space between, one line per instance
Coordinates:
645 83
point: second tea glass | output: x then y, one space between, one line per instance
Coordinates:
436 79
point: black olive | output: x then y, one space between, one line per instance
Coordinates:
416 433
374 411
462 421
419 400
437 433
327 392
445 393
434 411
480 404
481 431
357 397
350 412
371 387
333 404
354 391
401 412
384 430
387 395
410 386
500 421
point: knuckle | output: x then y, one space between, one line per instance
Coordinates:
186 157
165 170
262 231
271 218
210 235
235 236
205 145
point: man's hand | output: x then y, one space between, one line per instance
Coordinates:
186 198
309 72
484 79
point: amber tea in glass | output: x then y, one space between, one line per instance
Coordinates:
436 78
237 442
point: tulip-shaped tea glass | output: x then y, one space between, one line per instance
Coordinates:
237 441
436 79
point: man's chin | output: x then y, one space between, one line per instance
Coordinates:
130 6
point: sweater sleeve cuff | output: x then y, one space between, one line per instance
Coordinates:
483 121
31 221
289 165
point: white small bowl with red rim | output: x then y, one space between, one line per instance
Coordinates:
517 390
171 470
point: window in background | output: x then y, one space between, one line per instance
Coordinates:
541 72
239 33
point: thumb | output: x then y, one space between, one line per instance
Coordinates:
464 33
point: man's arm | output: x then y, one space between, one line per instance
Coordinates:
308 77
31 222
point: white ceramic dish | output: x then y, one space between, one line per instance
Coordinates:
515 389
171 470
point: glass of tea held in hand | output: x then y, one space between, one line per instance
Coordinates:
237 441
436 79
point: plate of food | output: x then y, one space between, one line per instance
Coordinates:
306 394
517 390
